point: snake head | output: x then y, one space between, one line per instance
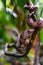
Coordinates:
31 8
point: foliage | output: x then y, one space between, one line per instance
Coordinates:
7 21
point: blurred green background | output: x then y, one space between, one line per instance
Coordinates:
8 23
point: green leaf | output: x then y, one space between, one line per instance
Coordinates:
41 36
4 2
41 1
